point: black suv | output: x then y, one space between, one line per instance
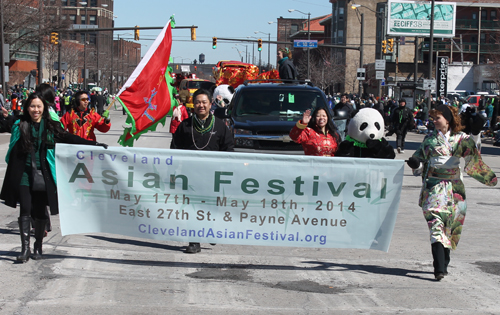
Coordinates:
261 115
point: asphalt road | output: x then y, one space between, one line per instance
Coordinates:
112 274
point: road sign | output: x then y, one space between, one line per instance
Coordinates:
382 82
379 75
361 74
305 43
380 64
429 84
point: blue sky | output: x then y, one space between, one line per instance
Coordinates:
220 18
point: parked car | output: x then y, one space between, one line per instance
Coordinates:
260 116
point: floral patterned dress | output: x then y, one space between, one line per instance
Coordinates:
314 142
443 193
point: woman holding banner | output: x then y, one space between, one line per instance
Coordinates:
443 193
30 176
318 136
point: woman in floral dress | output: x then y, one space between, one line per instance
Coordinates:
318 136
443 193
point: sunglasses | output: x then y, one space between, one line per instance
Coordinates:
84 99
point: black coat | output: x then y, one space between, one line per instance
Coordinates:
218 139
287 70
17 163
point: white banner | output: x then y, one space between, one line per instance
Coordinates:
231 198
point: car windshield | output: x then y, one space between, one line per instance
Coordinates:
200 85
277 102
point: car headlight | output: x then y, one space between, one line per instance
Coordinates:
242 132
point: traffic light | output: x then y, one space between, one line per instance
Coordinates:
390 44
136 33
193 33
384 46
54 38
259 44
214 42
195 68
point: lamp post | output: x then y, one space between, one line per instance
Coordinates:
308 38
84 3
268 46
253 49
361 45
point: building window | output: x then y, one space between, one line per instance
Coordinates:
64 2
92 38
84 19
72 36
484 15
294 29
82 38
474 16
63 17
93 3
340 36
92 20
72 3
483 37
493 15
72 19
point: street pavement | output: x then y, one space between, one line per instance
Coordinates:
113 274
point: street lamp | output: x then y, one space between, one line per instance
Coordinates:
253 49
268 46
246 52
84 3
381 14
308 37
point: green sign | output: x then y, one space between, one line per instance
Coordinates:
413 18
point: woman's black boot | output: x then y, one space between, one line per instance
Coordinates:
24 230
446 260
439 260
40 226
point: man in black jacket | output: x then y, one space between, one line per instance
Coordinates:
202 131
402 121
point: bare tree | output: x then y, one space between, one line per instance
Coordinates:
26 22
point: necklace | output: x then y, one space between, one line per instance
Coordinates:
202 131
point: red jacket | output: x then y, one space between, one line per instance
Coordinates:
313 142
82 124
176 120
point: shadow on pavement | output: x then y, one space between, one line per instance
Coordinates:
137 243
323 266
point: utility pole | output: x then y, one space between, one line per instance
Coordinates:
360 91
431 48
40 44
2 59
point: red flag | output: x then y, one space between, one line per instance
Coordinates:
147 96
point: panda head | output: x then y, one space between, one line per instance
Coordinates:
225 91
366 124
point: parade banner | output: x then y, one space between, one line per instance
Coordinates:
227 197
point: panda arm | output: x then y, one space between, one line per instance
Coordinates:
345 148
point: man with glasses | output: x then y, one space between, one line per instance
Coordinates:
82 120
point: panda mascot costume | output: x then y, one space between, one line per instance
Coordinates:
222 96
365 137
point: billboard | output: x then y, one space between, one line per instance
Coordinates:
412 18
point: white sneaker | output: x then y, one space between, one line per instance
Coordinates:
399 150
402 151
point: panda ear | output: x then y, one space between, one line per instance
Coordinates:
354 113
212 89
230 89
